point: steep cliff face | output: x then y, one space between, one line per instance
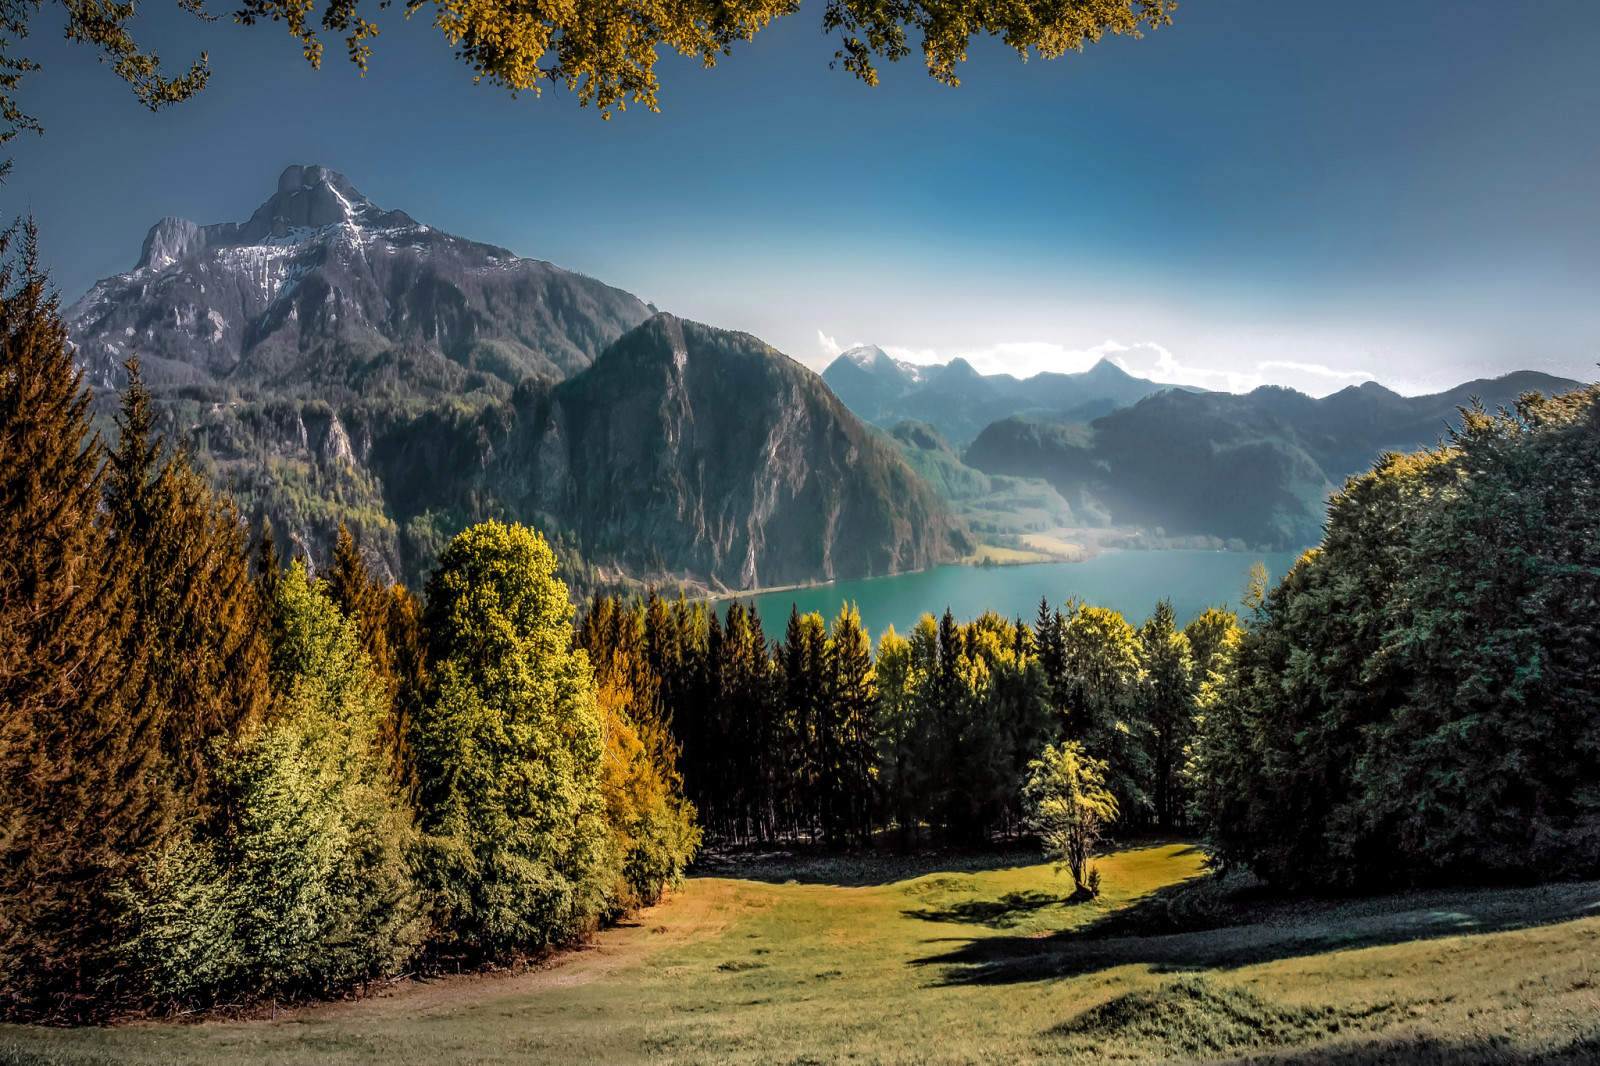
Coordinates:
695 449
322 286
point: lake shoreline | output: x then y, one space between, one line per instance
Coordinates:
1129 580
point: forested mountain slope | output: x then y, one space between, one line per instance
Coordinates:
321 289
1255 469
959 401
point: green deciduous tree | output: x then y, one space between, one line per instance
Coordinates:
1414 702
1069 806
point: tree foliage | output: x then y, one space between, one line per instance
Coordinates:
1415 701
813 738
1069 806
207 783
509 749
309 885
605 53
654 826
72 814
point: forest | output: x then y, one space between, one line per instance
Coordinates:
228 775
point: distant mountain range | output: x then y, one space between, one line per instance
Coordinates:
1252 469
960 402
330 360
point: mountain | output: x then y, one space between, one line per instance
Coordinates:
684 454
959 401
330 361
322 289
1253 470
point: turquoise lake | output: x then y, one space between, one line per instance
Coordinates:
1129 581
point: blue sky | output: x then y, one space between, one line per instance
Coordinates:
1306 192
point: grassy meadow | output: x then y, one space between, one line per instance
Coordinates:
848 961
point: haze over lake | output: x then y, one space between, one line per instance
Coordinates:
1129 581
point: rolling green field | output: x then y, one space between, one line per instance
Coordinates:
846 962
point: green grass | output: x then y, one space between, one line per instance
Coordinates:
847 961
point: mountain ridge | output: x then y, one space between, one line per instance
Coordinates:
320 279
960 402
1255 469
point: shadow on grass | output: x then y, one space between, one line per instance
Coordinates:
1001 913
1414 1050
853 869
1180 930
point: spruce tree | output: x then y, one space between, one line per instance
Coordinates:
71 821
363 599
509 749
1167 696
850 696
196 632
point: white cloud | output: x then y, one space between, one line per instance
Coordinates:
830 347
1317 370
1151 360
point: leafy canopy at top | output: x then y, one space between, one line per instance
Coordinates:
604 50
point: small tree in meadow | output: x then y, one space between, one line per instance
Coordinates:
1070 807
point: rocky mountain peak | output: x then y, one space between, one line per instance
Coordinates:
309 200
865 356
312 197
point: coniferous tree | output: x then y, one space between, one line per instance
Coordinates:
1166 697
806 734
509 750
895 722
850 695
307 885
196 641
363 599
75 808
652 824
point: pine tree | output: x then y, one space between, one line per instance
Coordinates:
363 599
895 716
196 633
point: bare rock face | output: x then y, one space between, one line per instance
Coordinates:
693 454
709 451
322 285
